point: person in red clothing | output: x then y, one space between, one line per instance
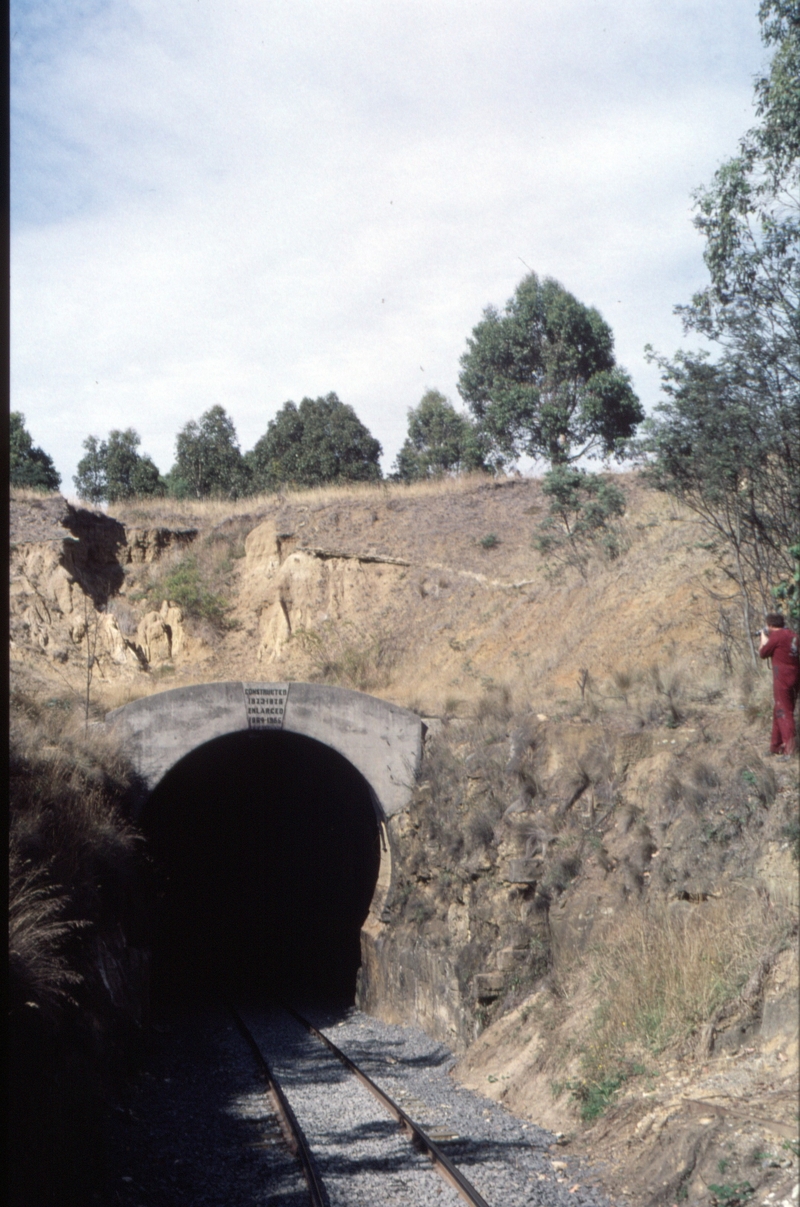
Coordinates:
780 644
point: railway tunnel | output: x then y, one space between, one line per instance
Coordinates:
264 808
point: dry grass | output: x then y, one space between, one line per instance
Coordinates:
74 882
207 512
668 692
68 794
344 655
39 970
664 971
19 493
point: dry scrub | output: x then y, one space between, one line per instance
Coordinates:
343 655
207 512
520 812
75 979
664 971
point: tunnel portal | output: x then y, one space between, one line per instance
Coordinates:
266 848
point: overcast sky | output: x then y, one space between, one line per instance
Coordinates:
257 200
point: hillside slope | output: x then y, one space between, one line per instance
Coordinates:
385 589
596 805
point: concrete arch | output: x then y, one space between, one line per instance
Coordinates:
382 741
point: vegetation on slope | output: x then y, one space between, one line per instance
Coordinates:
642 791
76 972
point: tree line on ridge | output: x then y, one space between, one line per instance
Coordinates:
540 379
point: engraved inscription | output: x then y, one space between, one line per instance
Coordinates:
266 704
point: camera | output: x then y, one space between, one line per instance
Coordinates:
759 633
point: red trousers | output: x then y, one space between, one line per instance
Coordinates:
783 735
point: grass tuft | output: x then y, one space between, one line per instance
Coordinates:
75 869
665 970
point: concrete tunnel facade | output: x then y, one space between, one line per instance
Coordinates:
382 741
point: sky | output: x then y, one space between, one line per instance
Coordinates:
260 200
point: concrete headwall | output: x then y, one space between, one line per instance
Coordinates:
382 741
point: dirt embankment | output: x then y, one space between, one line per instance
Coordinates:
395 591
594 889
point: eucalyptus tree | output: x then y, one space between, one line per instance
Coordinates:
726 439
439 441
318 441
541 379
114 469
208 460
30 465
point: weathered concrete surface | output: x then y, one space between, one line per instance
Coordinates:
157 731
382 741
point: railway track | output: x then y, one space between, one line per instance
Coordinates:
292 1132
338 1119
196 1126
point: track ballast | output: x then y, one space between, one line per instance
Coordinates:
200 1128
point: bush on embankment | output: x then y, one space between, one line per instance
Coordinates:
76 974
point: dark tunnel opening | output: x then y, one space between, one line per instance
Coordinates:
265 848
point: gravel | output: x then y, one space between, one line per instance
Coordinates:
198 1129
362 1156
507 1159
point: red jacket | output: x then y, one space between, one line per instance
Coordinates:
782 647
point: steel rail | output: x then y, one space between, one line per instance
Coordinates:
422 1142
293 1133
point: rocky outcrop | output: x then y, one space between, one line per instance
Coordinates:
145 545
527 837
67 567
161 635
298 589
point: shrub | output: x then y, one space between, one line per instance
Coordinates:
481 830
343 655
74 886
596 1096
581 520
183 584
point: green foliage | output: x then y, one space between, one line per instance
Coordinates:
596 1096
439 441
321 440
490 541
541 379
787 591
208 461
727 440
749 218
113 469
731 452
731 1193
30 465
580 521
184 586
177 487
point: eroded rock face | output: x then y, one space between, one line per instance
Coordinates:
65 568
161 635
295 589
145 545
154 639
529 839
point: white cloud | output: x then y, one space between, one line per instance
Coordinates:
243 204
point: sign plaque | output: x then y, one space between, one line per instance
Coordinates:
266 704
